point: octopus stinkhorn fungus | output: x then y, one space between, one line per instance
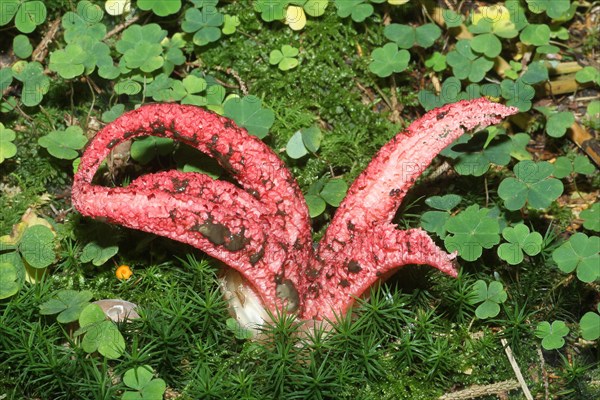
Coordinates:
261 227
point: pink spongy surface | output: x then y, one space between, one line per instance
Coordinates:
360 245
259 228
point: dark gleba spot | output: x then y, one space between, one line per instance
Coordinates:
179 186
354 267
256 257
236 241
441 115
112 143
215 233
344 283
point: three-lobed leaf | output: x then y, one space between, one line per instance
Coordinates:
490 296
590 325
580 253
591 217
98 253
248 113
101 334
519 241
37 246
388 59
68 304
531 185
471 231
552 335
7 147
160 7
64 144
284 58
304 141
9 284
142 380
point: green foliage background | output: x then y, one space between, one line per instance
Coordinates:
522 212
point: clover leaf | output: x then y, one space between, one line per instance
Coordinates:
325 191
437 62
591 217
466 64
6 77
141 48
519 147
64 144
435 221
473 155
406 36
553 8
580 253
113 113
84 23
536 72
68 304
284 58
271 10
449 93
359 10
7 147
564 166
9 284
490 298
146 387
496 19
388 59
552 335
117 7
532 184
204 24
303 141
98 253
590 325
28 14
471 231
315 8
487 44
160 7
588 74
37 246
145 149
128 86
592 113
35 83
230 24
334 191
535 34
248 113
518 93
68 62
558 123
519 240
101 335
22 46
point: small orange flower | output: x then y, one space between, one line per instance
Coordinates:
123 272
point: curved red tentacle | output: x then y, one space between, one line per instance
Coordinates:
361 237
261 229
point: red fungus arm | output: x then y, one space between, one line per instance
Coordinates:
260 229
361 245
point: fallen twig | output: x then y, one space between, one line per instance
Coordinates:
516 368
475 391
